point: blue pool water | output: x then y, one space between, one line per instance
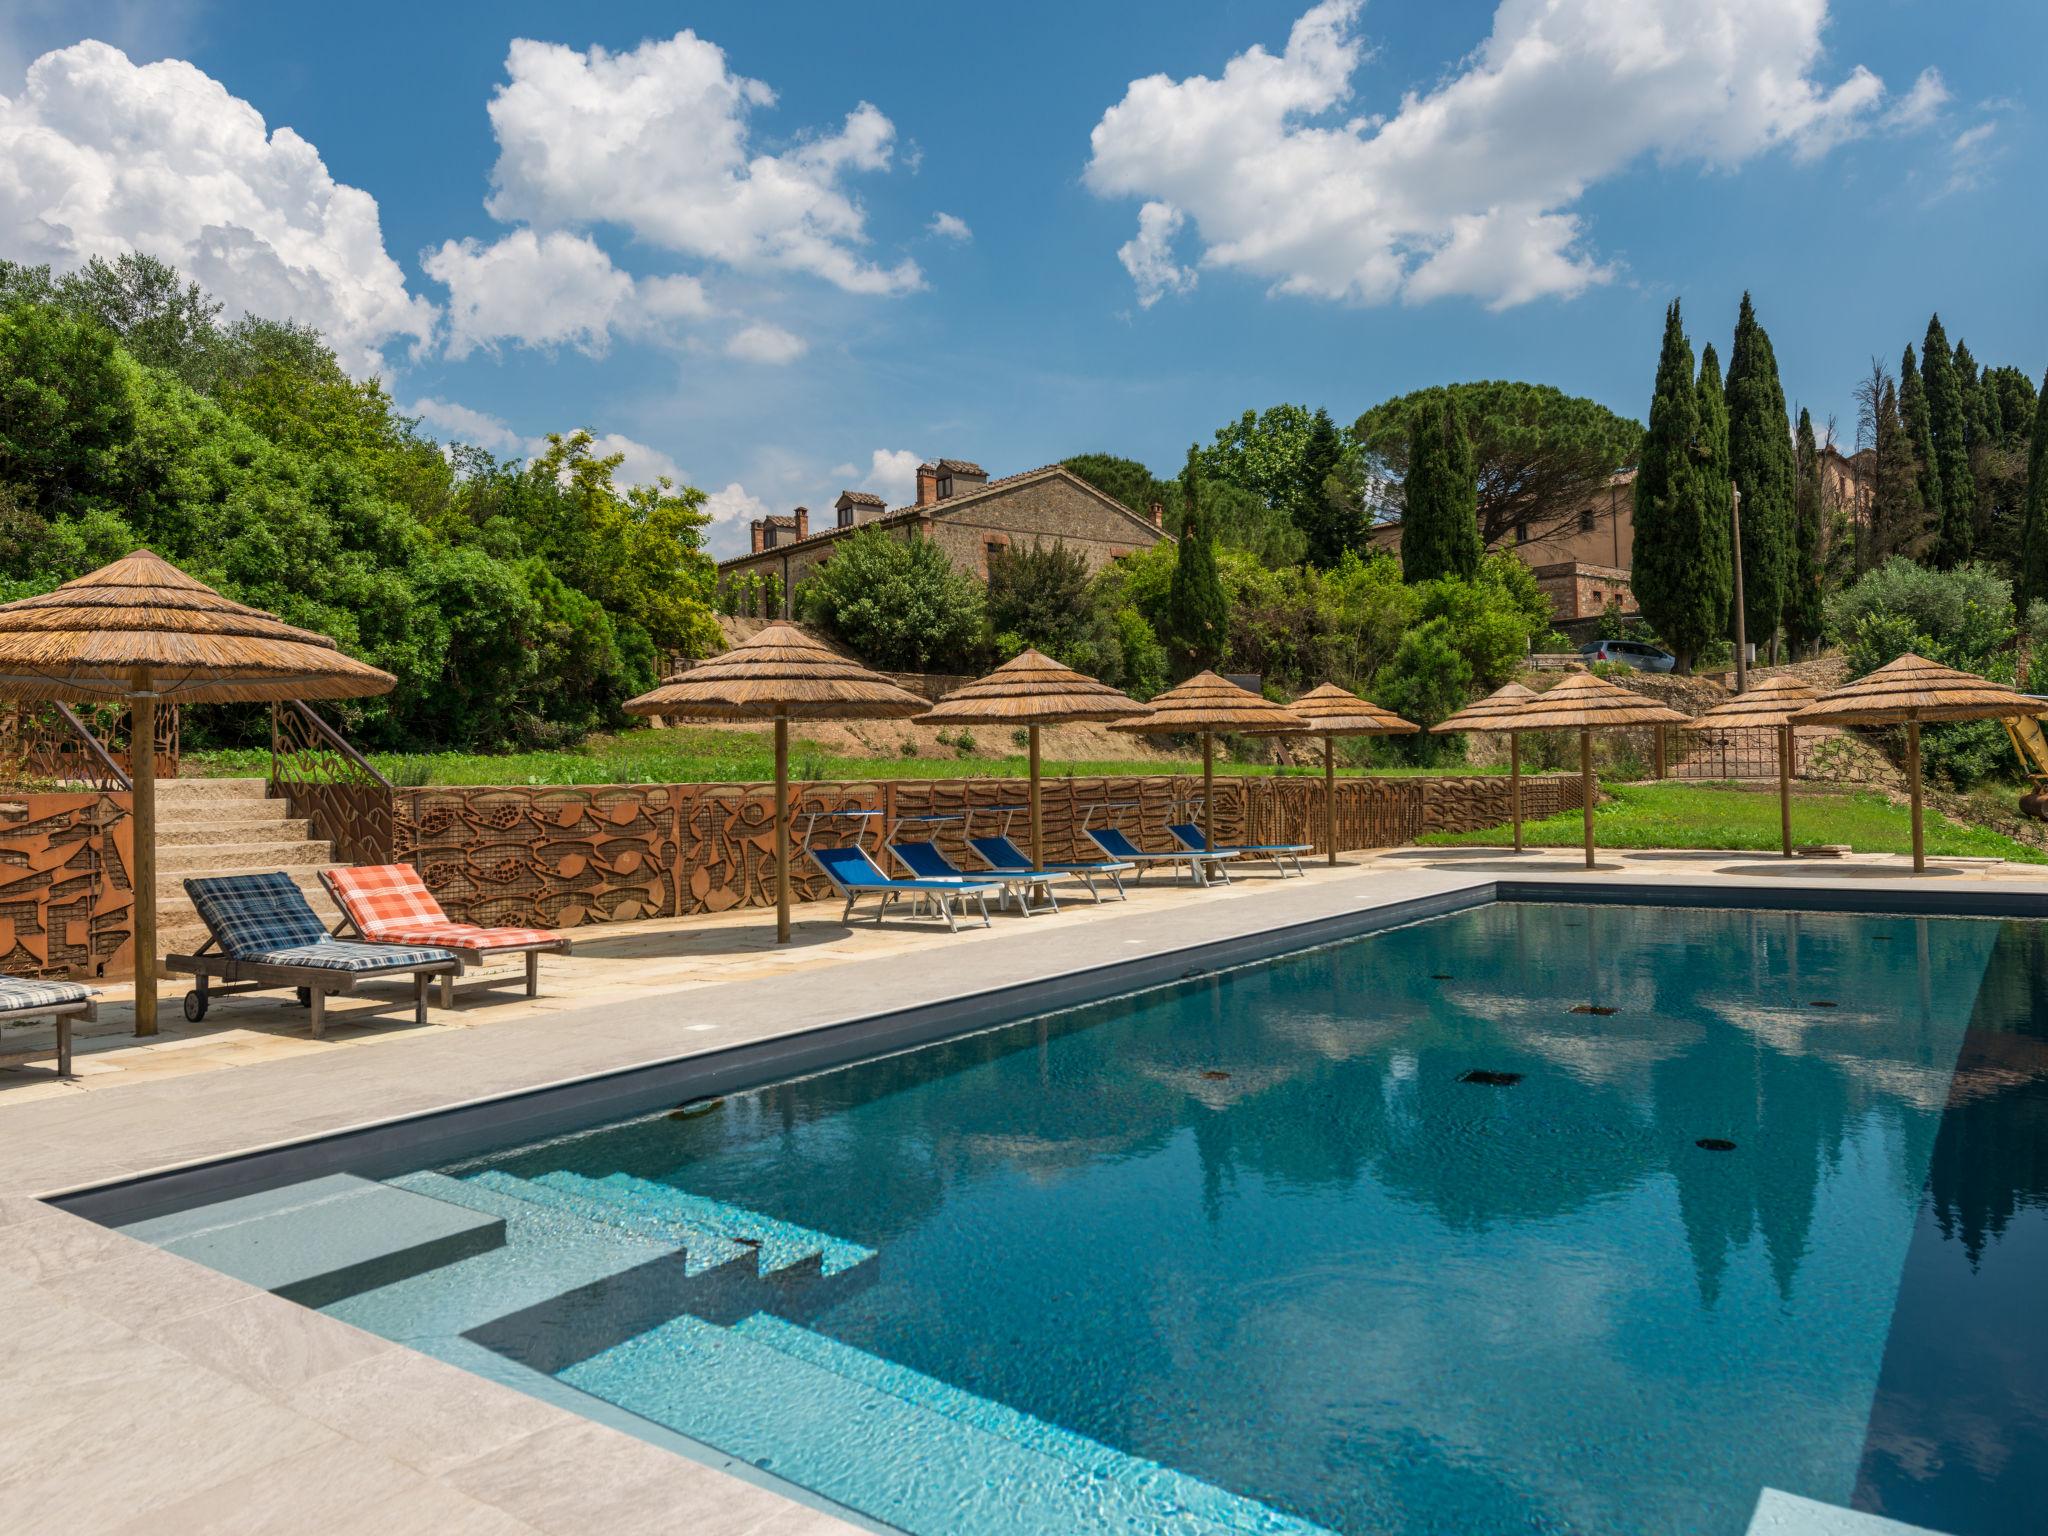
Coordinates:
1251 1254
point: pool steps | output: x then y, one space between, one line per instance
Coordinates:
895 1444
781 1243
702 1249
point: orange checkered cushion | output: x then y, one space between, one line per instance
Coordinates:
392 905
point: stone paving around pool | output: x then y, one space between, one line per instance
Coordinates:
145 1392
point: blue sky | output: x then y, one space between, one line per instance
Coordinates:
711 233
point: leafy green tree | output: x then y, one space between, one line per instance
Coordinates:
1949 425
1804 618
1440 526
67 406
1129 482
2033 582
1540 456
1197 612
162 319
899 603
1238 518
1681 574
1760 462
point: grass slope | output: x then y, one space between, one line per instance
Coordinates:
1672 815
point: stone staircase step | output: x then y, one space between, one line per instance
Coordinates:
183 859
209 830
186 791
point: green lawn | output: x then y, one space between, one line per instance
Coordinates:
687 756
1717 816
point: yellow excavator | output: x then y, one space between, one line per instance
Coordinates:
2031 743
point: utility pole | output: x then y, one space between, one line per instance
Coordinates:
1741 640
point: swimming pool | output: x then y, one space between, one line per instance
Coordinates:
1532 1218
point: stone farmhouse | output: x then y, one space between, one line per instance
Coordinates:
1582 562
969 516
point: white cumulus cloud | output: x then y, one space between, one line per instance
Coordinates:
1148 255
546 290
99 155
763 343
950 226
892 475
731 510
1470 186
657 140
639 464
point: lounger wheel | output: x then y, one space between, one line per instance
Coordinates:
305 995
195 1007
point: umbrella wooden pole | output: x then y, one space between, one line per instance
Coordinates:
1586 788
1913 773
142 769
782 826
1785 786
1515 784
1037 816
1209 788
1330 792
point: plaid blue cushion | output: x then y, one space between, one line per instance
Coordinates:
255 914
21 996
338 955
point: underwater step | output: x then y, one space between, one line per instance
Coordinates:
703 1249
1220 1505
322 1240
884 1455
781 1243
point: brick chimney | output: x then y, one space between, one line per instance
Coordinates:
760 532
803 522
1159 515
927 484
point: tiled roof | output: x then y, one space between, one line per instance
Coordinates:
862 498
962 466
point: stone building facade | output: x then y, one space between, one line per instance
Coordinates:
969 516
1581 562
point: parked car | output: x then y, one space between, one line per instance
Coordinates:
1630 653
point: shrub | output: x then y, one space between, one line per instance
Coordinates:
897 602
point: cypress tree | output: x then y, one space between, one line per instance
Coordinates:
1440 495
1910 530
1711 450
1681 576
1802 593
1950 426
1330 518
1760 461
2033 582
1197 611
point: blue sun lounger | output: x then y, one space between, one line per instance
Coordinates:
1112 841
928 861
1279 855
854 875
1006 858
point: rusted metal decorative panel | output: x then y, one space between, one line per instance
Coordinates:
66 904
550 857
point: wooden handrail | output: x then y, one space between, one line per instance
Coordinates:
334 739
95 747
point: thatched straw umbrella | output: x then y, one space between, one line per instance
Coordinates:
1496 712
141 630
1585 703
1033 690
1205 705
1913 692
1769 705
1332 712
781 674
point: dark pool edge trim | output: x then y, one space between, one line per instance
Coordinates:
404 1143
1881 901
